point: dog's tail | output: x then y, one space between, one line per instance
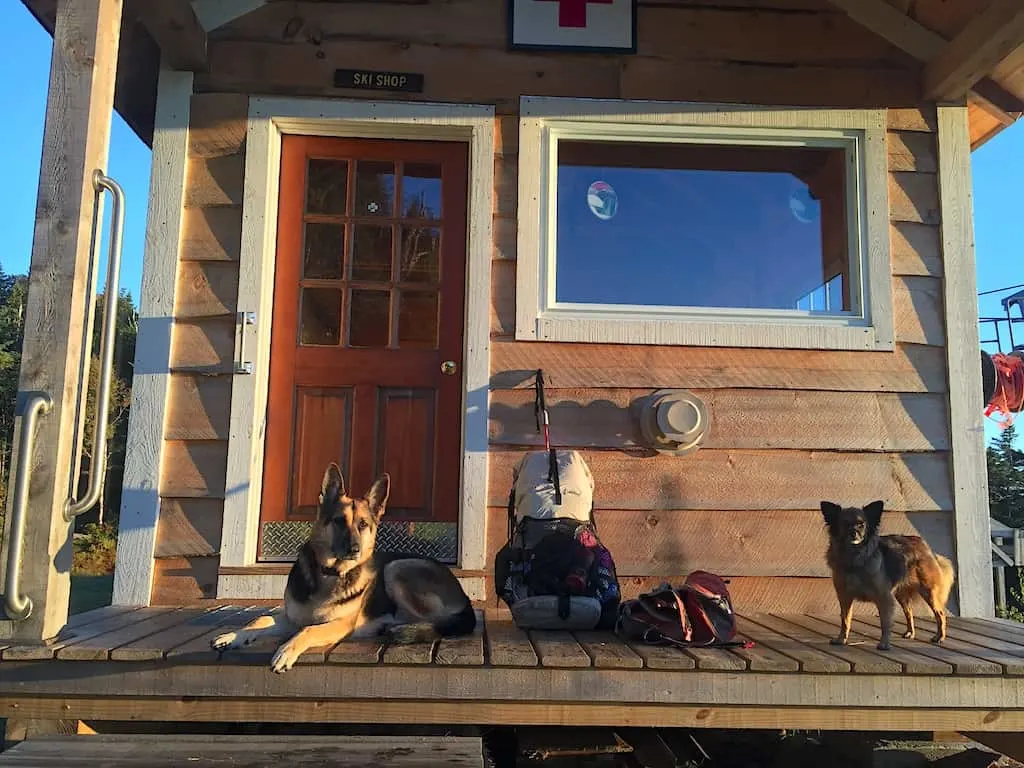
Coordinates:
461 623
948 577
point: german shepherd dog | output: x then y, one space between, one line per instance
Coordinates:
339 587
883 570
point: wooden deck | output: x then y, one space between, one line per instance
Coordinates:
156 664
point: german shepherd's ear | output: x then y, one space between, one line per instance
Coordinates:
873 513
377 496
332 489
830 511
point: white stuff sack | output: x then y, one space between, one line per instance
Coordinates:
534 492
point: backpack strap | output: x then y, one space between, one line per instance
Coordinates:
540 411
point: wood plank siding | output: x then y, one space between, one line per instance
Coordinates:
790 427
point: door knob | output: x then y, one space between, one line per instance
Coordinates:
448 367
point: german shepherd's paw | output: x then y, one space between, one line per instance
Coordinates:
838 641
937 639
285 657
226 641
908 635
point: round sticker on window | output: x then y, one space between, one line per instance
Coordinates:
803 207
602 200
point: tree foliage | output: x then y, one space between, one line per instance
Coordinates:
13 295
1006 479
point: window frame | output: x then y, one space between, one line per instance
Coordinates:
861 133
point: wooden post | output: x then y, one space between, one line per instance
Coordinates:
75 142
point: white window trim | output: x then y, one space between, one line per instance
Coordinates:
544 118
269 119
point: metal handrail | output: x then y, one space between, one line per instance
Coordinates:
18 606
97 466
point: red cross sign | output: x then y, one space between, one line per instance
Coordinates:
592 25
573 13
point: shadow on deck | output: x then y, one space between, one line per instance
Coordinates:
119 663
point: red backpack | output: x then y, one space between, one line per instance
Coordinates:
699 613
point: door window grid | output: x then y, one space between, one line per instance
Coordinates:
340 302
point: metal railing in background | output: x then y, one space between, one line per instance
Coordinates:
17 606
98 463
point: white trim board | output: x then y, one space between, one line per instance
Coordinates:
970 475
269 118
862 135
140 499
270 586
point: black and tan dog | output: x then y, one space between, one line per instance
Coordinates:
339 587
883 570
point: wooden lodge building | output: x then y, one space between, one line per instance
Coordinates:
370 224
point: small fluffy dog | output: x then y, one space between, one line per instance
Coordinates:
883 570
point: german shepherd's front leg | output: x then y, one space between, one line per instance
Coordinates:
845 617
272 625
309 637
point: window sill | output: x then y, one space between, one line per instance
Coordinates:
731 332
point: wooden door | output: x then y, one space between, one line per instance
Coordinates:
367 340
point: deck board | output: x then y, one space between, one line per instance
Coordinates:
548 677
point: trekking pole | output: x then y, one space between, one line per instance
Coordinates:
543 424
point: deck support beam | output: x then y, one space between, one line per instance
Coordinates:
75 143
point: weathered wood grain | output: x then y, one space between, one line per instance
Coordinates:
768 480
737 543
503 297
154 646
218 124
506 188
504 234
558 649
212 233
809 659
98 647
917 310
215 180
910 368
463 651
608 651
507 645
203 345
861 660
915 249
909 151
206 289
912 118
198 407
740 418
189 527
914 197
194 469
184 580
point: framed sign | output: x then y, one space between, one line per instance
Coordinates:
607 26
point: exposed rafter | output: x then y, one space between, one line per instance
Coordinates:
987 39
176 29
927 46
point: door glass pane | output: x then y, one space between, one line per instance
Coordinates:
369 318
323 251
421 252
417 319
371 252
321 316
326 186
375 188
421 191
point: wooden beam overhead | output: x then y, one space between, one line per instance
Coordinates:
176 29
987 39
925 45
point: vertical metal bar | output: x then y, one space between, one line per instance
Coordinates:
18 606
98 465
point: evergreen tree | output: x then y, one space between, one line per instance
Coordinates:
1006 479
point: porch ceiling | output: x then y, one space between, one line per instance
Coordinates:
156 663
972 48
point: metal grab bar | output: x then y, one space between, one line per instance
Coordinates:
18 606
98 464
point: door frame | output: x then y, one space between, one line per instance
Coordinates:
270 118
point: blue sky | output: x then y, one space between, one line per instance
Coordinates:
997 169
